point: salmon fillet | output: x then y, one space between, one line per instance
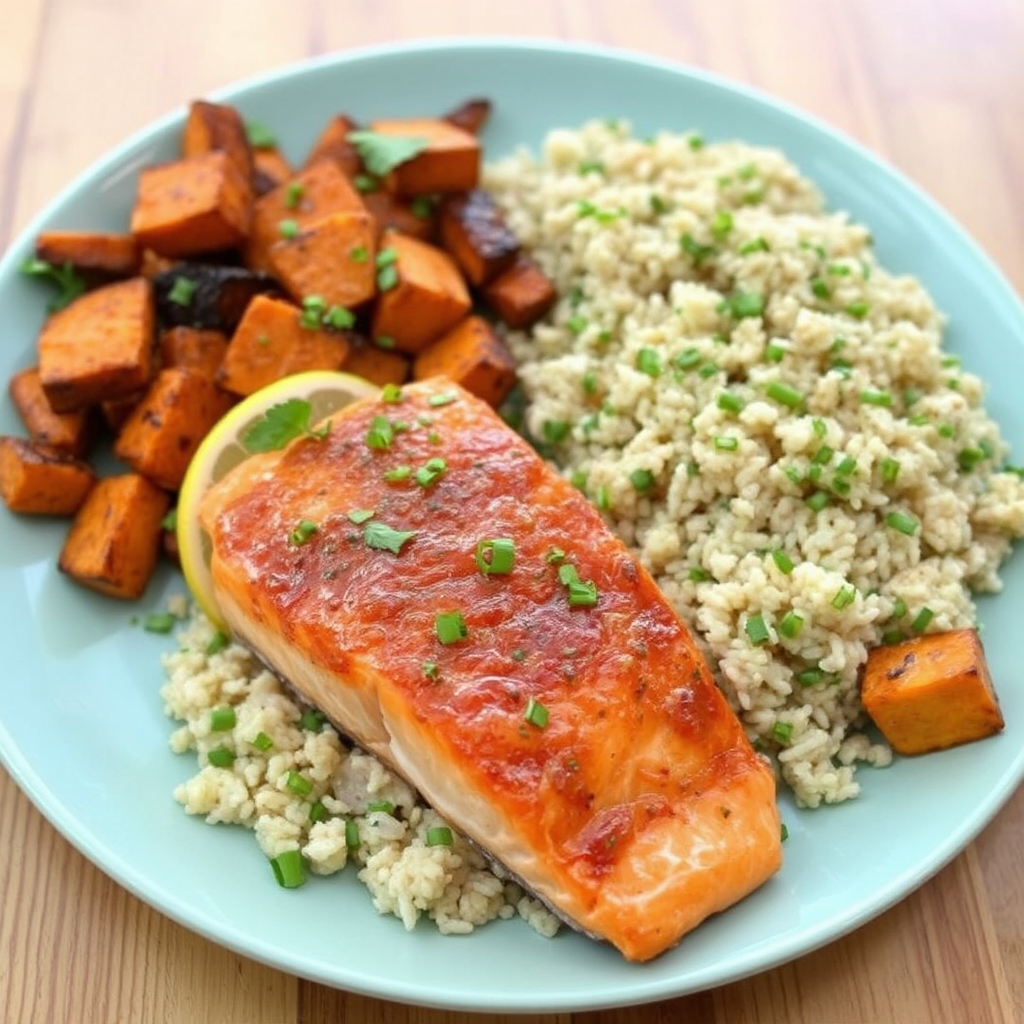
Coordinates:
559 714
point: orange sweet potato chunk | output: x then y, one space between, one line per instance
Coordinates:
332 258
449 162
217 127
378 365
333 145
114 540
520 295
931 692
195 349
473 355
427 297
97 256
271 342
270 169
99 347
195 205
36 479
71 433
474 231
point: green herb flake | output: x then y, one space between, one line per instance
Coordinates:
844 596
381 537
782 732
695 250
358 254
536 713
450 627
642 480
288 228
721 224
649 361
382 153
757 630
360 515
495 556
782 561
902 523
159 622
430 669
69 282
259 135
217 643
922 620
445 398
170 521
293 194
555 431
182 291
791 625
745 304
303 532
430 472
340 318
380 434
754 245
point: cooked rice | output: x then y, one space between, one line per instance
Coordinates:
688 271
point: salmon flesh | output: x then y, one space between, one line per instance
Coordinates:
461 611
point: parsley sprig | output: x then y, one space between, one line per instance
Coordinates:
380 153
66 278
280 424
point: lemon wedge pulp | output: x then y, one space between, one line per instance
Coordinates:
327 391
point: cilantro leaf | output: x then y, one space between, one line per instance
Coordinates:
383 153
384 538
67 279
259 135
280 424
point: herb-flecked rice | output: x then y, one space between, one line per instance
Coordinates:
765 414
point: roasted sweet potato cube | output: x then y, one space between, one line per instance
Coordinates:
271 342
164 430
931 692
36 479
427 298
416 217
449 161
217 127
211 296
97 256
373 363
520 295
474 232
471 354
470 116
333 145
333 258
196 205
191 348
70 433
318 192
99 347
114 541
270 169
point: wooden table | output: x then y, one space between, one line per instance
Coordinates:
935 86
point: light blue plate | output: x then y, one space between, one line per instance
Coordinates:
81 723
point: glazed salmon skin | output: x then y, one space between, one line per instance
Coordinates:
555 709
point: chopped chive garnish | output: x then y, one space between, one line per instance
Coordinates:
297 783
450 627
791 625
387 277
381 433
744 304
536 714
590 166
431 471
589 383
709 369
890 469
784 394
899 607
721 224
697 252
782 561
823 456
642 480
577 323
774 353
293 194
339 318
658 205
380 807
259 135
870 396
729 402
352 834
687 359
366 183
757 630
901 522
725 444
754 245
893 636
810 676
422 207
358 254
440 835
312 720
182 291
698 575
223 719
430 669
218 642
289 869
648 361
317 812
262 742
288 228
847 466
947 430
555 431
783 832
838 269
968 458
858 310
922 619
818 500
496 556
159 622
554 556
844 596
302 533
581 593
221 757
820 288
782 731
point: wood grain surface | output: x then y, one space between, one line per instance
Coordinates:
934 86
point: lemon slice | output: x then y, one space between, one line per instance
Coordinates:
327 391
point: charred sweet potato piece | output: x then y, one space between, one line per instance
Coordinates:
416 217
70 433
378 365
270 169
164 430
191 348
448 162
333 258
196 205
318 192
931 692
271 342
99 257
217 127
473 230
208 296
36 479
470 116
520 295
99 347
333 144
473 355
426 298
114 541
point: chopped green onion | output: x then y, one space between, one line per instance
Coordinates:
387 277
754 245
365 183
697 252
782 731
890 469
259 135
380 807
358 254
782 561
555 431
870 396
947 430
847 466
317 812
658 205
968 458
858 310
422 207
383 538
721 224
289 869
554 556
431 471
844 596
220 757
536 714
783 832
810 676
159 622
649 361
725 444
293 194
303 532
589 383
893 636
223 719
430 669
899 607
182 291
496 557
352 834
774 353
911 396
818 500
288 228
381 433
450 627
582 593
823 456
312 720
384 341
642 480
838 269
922 619
902 522
262 742
820 288
218 642
757 630
445 398
339 318
440 835
698 575
745 304
791 625
297 783
590 166
784 394
695 141
729 402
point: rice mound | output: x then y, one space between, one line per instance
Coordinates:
765 415
270 739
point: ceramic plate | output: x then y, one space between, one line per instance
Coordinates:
81 723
